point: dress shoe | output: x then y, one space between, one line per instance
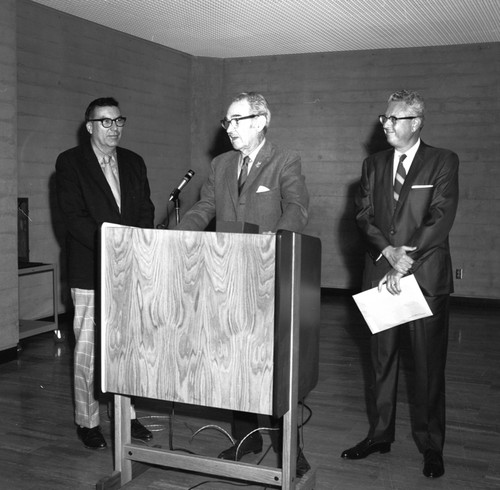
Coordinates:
91 438
138 431
251 445
365 448
433 464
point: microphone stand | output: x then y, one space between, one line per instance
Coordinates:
174 196
177 206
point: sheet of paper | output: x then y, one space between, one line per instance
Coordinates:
382 310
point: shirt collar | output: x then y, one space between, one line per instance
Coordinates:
253 154
410 153
100 154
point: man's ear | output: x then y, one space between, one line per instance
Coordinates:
88 125
416 124
261 122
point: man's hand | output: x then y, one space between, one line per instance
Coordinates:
391 281
398 258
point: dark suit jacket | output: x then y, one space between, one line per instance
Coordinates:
86 201
423 216
283 206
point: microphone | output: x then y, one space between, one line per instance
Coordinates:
175 193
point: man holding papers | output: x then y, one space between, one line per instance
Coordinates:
406 204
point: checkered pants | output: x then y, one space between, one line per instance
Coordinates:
86 406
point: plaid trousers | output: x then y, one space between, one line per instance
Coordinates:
86 406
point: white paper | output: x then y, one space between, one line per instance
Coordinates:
382 310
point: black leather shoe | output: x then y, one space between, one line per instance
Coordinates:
138 431
91 438
251 445
365 448
433 464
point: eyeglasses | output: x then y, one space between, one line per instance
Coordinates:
225 123
393 119
107 122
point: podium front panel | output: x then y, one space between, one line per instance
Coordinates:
188 316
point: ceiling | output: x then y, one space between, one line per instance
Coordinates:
241 28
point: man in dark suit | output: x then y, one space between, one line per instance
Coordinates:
406 204
97 182
258 183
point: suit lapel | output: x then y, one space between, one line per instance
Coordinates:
231 177
388 180
123 167
416 167
261 161
95 171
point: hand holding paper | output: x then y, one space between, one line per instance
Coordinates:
383 310
391 280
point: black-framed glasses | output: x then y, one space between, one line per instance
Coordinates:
393 119
225 123
108 122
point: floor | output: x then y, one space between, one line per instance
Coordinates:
39 449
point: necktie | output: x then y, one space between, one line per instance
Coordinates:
243 173
112 178
400 179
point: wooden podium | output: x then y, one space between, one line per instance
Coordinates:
226 320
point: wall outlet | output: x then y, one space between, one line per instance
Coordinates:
459 273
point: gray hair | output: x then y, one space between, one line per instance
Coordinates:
258 104
411 99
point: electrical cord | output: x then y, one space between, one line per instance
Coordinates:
304 422
171 417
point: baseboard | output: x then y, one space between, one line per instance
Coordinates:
8 355
475 302
329 292
455 300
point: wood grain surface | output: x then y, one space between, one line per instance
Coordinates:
189 317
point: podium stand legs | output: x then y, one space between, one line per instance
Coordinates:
122 434
129 457
128 454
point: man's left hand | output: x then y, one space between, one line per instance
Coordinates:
391 281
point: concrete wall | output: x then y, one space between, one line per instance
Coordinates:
324 105
64 63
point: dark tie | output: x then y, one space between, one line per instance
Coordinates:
400 179
243 173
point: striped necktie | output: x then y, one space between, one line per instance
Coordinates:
400 179
243 173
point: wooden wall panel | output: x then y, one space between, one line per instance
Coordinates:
8 178
326 106
208 139
64 63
